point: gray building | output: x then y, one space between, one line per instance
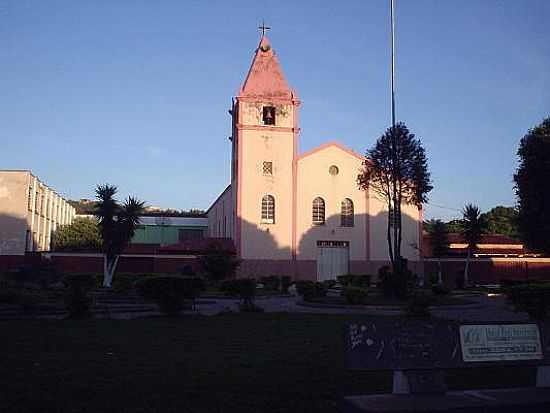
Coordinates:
29 212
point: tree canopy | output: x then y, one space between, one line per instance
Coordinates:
81 235
396 168
532 184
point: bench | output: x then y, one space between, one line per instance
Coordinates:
420 351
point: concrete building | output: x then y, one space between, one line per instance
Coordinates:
29 212
169 230
298 214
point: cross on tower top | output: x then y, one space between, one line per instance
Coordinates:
264 28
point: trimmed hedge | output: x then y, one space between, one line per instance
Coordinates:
355 295
355 280
533 298
77 294
311 289
170 292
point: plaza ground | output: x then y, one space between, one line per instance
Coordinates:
265 362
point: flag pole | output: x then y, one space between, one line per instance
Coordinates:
392 17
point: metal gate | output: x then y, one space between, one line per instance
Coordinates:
332 259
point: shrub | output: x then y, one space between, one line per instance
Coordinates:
396 285
355 295
26 299
77 298
385 281
310 289
459 280
328 283
419 305
9 296
170 292
533 298
219 264
272 282
356 280
124 282
440 290
285 283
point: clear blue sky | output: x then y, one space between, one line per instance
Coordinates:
136 93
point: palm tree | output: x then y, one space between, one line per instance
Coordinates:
473 228
117 225
440 243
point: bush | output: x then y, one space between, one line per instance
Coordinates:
419 305
356 280
329 284
440 290
459 280
272 282
286 281
124 282
219 264
310 289
533 298
396 285
170 292
26 299
77 298
9 296
355 295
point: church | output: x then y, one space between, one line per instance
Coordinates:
292 213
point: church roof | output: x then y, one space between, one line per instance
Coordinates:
265 78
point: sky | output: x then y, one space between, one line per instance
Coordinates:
136 93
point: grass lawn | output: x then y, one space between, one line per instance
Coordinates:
228 363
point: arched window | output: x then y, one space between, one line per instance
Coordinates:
268 209
346 217
318 211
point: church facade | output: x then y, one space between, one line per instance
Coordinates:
298 214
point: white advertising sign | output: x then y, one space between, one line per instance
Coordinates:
498 342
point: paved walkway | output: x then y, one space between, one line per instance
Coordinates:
487 309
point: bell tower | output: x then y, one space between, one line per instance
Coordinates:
264 162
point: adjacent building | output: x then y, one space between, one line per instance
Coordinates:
292 213
29 212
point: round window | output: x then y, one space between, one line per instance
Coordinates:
333 170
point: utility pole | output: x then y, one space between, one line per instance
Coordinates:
392 17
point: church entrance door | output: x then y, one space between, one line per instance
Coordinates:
332 259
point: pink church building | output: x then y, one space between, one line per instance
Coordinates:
292 213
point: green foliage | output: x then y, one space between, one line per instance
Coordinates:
440 290
474 226
117 223
502 220
355 280
286 281
272 282
77 294
533 298
532 184
398 285
219 264
355 295
27 300
310 290
396 169
439 239
419 305
81 235
170 292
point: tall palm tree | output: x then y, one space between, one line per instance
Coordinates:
473 228
117 224
439 242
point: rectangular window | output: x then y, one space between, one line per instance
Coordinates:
268 168
29 204
268 115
